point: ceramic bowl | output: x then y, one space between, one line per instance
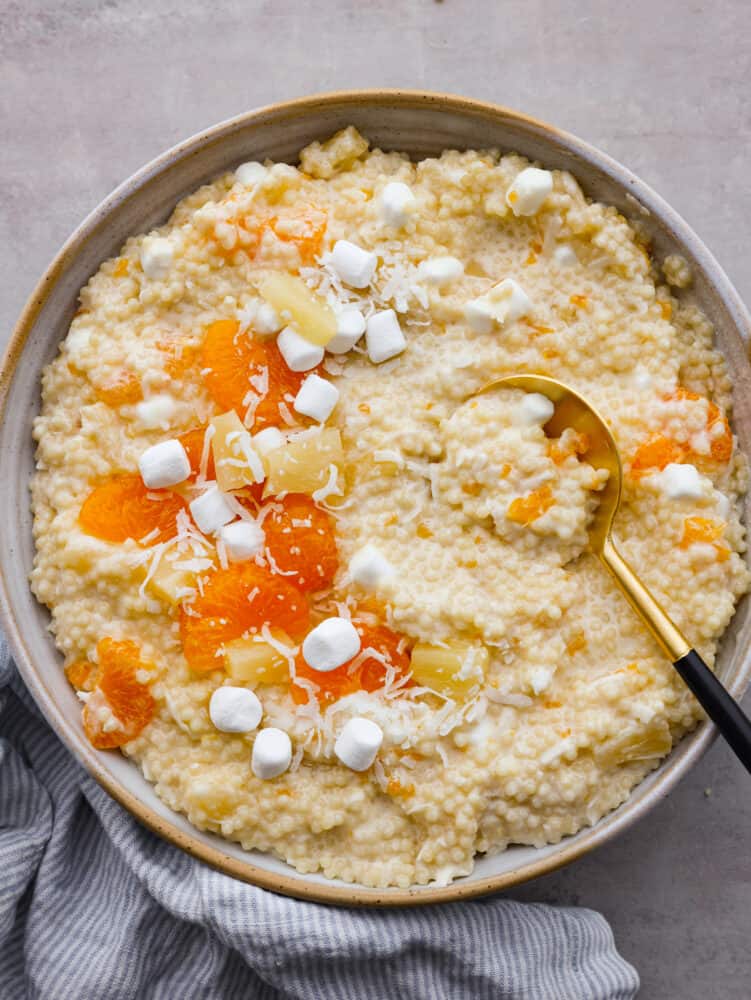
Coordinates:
422 124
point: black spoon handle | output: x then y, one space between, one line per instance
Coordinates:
721 707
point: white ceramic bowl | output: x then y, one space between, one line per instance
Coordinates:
420 124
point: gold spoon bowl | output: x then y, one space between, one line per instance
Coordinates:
573 410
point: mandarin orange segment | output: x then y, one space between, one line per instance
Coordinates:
239 599
192 442
306 230
524 510
118 689
576 443
718 429
231 359
391 646
122 507
701 529
720 435
82 674
655 453
370 673
122 389
300 539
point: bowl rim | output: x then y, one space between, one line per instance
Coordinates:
688 752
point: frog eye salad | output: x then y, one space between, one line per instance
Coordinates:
333 604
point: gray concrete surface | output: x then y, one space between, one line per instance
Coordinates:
90 90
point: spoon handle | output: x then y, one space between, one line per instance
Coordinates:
721 708
719 705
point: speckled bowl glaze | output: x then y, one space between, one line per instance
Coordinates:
422 124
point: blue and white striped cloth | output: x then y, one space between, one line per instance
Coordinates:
94 907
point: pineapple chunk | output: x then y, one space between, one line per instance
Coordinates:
303 464
172 578
256 662
635 745
236 461
324 159
453 670
313 318
212 793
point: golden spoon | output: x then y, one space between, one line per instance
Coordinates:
572 410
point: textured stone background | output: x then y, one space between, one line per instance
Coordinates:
91 90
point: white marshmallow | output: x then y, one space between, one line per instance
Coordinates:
440 270
156 412
642 379
358 743
211 511
157 254
503 303
330 644
369 567
298 352
529 190
534 409
267 440
250 173
235 710
384 337
540 679
272 753
164 464
564 256
266 320
316 398
350 326
243 540
679 482
354 265
397 204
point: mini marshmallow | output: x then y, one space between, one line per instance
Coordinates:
156 412
440 270
358 743
397 204
250 173
272 753
350 326
642 379
534 409
211 511
679 482
529 190
330 644
266 322
354 265
384 337
164 464
235 710
316 398
269 439
369 567
298 352
564 256
243 540
540 678
157 254
503 303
